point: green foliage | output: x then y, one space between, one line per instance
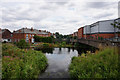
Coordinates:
20 63
22 44
43 39
116 24
101 65
45 45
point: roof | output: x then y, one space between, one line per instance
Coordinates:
31 31
3 30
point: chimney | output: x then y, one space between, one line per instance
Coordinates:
31 28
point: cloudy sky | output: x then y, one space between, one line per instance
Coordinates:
63 16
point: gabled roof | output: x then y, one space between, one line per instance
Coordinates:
31 31
3 30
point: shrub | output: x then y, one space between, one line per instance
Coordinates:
20 63
101 65
22 44
43 39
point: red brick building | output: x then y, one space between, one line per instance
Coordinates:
75 34
28 34
6 35
80 33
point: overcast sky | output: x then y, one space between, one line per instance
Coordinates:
63 16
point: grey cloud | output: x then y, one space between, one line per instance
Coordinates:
99 5
103 15
59 2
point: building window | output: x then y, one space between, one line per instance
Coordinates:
26 35
11 35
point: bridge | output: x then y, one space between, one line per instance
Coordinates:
97 43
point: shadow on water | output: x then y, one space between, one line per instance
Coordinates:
45 50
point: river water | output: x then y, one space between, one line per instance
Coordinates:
58 62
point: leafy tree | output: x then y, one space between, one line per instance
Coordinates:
116 24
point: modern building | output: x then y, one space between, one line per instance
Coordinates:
6 35
86 31
100 30
103 29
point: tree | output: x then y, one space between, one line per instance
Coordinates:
116 25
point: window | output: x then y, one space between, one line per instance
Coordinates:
26 35
11 35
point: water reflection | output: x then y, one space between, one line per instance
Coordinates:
58 62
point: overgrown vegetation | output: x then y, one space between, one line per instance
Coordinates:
43 39
50 45
22 44
102 64
21 63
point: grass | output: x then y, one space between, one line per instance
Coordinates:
102 64
21 63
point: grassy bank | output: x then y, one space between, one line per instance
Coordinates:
21 63
51 45
102 64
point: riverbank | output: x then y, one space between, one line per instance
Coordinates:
51 45
21 63
101 64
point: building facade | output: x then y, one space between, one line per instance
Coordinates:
28 34
100 30
6 35
86 31
80 33
103 29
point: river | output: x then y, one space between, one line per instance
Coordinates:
58 63
59 60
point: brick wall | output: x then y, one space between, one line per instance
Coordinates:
17 37
6 34
80 33
95 36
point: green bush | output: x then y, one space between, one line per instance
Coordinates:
43 39
22 44
20 63
101 65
